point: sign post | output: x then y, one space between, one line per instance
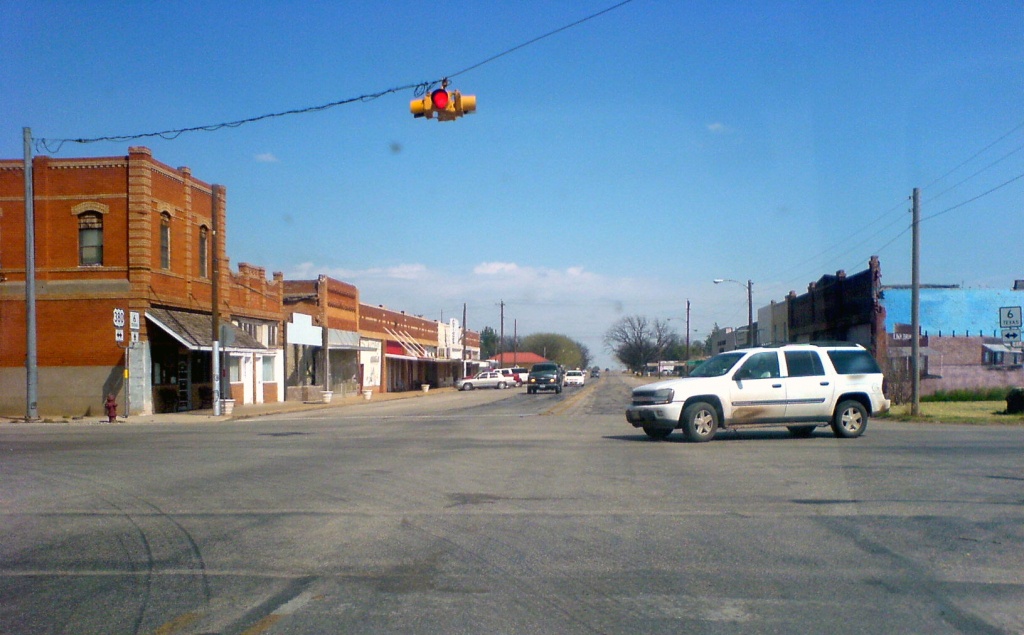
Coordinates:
134 323
1010 324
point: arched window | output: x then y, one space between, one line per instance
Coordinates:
204 242
90 238
165 240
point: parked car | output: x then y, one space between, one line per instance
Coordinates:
485 379
575 378
517 376
544 376
800 386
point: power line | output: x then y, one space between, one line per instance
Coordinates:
977 154
940 194
53 146
541 37
972 199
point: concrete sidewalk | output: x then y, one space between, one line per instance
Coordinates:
246 411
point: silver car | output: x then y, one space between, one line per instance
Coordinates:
486 379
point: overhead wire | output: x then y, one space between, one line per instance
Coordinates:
53 146
906 229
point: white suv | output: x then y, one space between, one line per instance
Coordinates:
801 386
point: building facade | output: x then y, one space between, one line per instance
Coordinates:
132 237
960 341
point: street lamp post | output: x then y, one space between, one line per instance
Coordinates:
750 305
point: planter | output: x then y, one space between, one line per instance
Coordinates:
424 387
327 394
367 394
227 406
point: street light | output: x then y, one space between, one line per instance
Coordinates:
750 305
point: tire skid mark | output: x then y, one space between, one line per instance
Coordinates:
147 572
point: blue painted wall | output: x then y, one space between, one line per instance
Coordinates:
965 311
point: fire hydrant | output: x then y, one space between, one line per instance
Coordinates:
111 407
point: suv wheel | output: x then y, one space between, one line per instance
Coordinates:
501 385
850 419
700 420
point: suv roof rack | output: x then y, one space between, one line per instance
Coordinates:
817 343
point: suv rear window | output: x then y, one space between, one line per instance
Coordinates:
854 362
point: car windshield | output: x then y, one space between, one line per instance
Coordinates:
717 365
545 367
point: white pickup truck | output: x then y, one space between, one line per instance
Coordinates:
800 386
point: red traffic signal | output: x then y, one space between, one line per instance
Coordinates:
440 98
443 104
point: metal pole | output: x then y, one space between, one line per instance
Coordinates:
31 366
915 307
127 379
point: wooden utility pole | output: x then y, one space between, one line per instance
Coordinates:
915 306
501 336
31 360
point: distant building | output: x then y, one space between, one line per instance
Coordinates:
960 342
512 359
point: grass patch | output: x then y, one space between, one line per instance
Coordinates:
975 412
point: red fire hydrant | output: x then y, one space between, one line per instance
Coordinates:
111 407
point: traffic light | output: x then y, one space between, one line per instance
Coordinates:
444 104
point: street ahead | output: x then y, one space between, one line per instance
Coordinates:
502 512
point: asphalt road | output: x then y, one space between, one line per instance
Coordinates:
502 512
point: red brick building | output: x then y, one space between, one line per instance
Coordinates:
134 234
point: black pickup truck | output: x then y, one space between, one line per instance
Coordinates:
545 376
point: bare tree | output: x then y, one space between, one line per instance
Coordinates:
635 340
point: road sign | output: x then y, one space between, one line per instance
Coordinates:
119 318
1011 337
118 335
1009 317
133 320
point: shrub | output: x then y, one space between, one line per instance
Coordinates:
1015 401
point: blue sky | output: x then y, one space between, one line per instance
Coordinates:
615 168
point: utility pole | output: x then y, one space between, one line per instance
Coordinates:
515 343
750 313
501 337
214 305
31 364
915 306
687 335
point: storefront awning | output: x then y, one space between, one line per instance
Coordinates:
345 341
1000 348
195 331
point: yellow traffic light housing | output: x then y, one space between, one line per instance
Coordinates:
444 104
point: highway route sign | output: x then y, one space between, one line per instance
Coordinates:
1009 317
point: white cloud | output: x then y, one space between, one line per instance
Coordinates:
494 268
266 157
718 128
